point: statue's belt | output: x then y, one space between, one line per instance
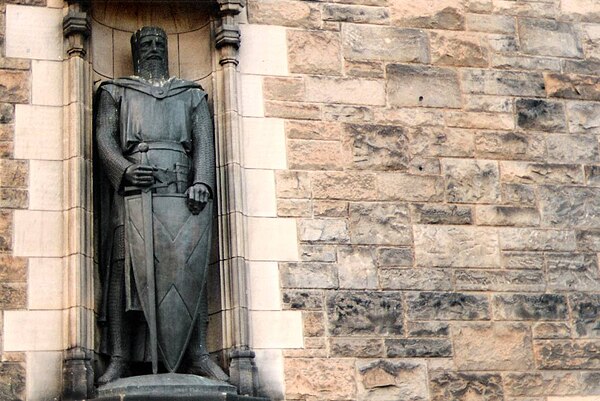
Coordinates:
146 146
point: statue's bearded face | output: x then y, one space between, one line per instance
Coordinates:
152 56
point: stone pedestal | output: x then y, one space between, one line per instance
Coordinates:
170 387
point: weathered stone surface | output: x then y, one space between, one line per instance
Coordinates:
419 279
356 347
567 355
293 110
424 166
392 380
498 280
479 120
330 208
584 117
304 378
377 43
355 13
490 23
313 324
441 141
344 185
424 213
316 155
570 206
308 275
432 14
518 194
456 386
410 187
408 117
418 348
284 12
523 260
314 52
6 223
542 383
377 147
458 49
365 69
530 239
428 329
320 130
572 272
7 113
454 246
530 306
592 175
572 86
412 85
506 216
506 83
14 86
12 269
356 267
573 148
540 115
549 38
397 257
12 381
345 113
294 208
584 67
471 181
537 9
13 296
588 240
11 198
323 230
503 44
493 104
365 313
493 346
548 330
541 173
280 88
292 184
13 173
508 62
581 10
510 145
303 299
379 223
585 312
359 91
447 306
317 253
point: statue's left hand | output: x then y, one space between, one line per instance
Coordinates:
198 196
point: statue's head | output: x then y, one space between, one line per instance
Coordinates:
149 50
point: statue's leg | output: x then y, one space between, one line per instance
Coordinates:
119 338
199 360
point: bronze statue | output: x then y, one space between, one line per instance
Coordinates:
155 143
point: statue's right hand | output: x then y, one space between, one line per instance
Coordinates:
139 175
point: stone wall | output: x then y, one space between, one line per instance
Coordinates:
441 164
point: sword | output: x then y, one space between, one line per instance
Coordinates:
149 251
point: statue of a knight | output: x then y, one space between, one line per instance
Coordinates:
155 144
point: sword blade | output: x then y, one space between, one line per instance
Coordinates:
149 258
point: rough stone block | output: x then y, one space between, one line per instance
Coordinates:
292 184
12 381
356 347
284 12
572 272
314 52
391 380
313 324
567 354
365 313
378 43
318 130
293 110
573 86
364 69
13 296
344 185
356 267
418 348
534 384
510 145
454 246
409 187
442 141
345 90
583 208
530 307
540 115
507 62
330 208
541 173
431 14
549 330
479 120
518 194
11 198
505 83
412 85
14 86
471 181
585 312
304 378
293 208
493 104
344 113
493 346
592 175
549 38
502 44
538 9
308 275
424 213
355 13
581 10
458 49
573 148
420 279
394 257
498 280
316 155
428 329
280 88
377 147
447 306
490 23
12 269
323 230
6 230
303 299
317 253
456 386
523 260
584 117
408 117
588 240
531 239
7 113
379 223
506 216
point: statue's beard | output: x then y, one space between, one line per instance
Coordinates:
153 69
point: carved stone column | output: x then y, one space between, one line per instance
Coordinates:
78 376
236 332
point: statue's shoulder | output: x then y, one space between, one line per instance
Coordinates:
176 84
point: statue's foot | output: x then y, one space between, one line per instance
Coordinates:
204 366
117 368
